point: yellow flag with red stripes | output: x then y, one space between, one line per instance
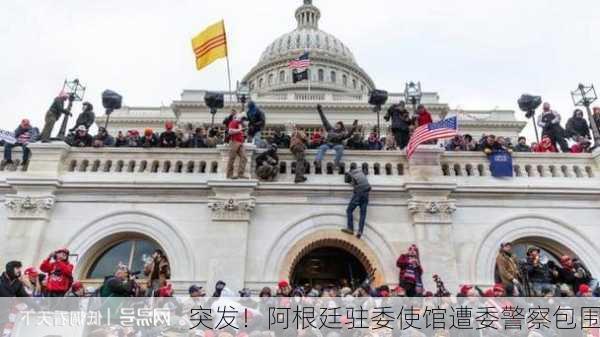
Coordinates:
210 45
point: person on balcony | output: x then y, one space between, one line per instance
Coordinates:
24 134
582 145
86 117
360 199
267 164
374 143
400 123
356 142
149 139
236 136
81 138
158 271
411 272
60 273
456 144
103 139
256 124
577 126
550 123
121 140
539 273
334 140
596 115
545 145
298 147
316 138
522 145
54 112
507 268
199 140
280 138
168 138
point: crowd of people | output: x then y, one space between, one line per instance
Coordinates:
250 126
534 276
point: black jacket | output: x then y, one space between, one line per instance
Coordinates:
270 157
400 118
11 288
577 127
540 273
522 148
256 119
167 139
58 107
81 141
334 136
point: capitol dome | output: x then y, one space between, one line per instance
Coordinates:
333 66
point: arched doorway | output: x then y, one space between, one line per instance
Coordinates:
328 265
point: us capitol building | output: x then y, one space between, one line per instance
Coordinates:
116 205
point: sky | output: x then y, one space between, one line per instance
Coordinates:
475 54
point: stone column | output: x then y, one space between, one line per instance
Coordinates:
28 216
232 206
432 209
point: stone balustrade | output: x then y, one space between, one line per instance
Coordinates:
384 167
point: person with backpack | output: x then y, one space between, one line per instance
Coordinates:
60 273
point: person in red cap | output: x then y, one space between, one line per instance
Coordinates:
467 290
24 134
573 273
284 289
77 290
168 138
584 291
32 283
60 273
411 272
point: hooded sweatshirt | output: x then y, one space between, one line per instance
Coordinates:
60 275
359 181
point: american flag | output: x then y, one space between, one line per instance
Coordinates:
445 128
302 62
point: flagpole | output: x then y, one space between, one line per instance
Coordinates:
228 67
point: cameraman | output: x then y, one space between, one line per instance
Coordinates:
550 123
573 273
60 273
267 164
400 123
360 198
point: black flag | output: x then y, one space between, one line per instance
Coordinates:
300 76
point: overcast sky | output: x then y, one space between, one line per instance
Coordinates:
476 54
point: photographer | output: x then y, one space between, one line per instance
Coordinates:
550 124
360 198
573 273
541 274
158 271
81 138
267 164
60 273
334 140
400 123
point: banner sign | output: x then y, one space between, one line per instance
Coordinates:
501 164
7 137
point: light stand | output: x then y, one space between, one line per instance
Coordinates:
413 94
585 96
214 101
75 91
111 101
378 98
242 93
528 104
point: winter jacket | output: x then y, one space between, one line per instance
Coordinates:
522 148
508 268
113 287
359 181
334 136
574 278
577 127
538 274
400 118
158 270
86 118
60 275
148 141
256 119
281 140
409 272
11 288
81 141
20 132
298 141
355 143
107 140
424 118
550 123
57 108
167 139
269 157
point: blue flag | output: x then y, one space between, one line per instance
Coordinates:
501 164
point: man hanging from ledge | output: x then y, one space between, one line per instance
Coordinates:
334 140
360 198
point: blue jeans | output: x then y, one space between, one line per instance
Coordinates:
339 152
358 200
8 151
257 140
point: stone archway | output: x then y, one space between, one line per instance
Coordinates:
336 239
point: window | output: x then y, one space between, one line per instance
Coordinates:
282 76
333 77
270 80
362 87
321 75
345 80
354 83
260 83
132 253
251 85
